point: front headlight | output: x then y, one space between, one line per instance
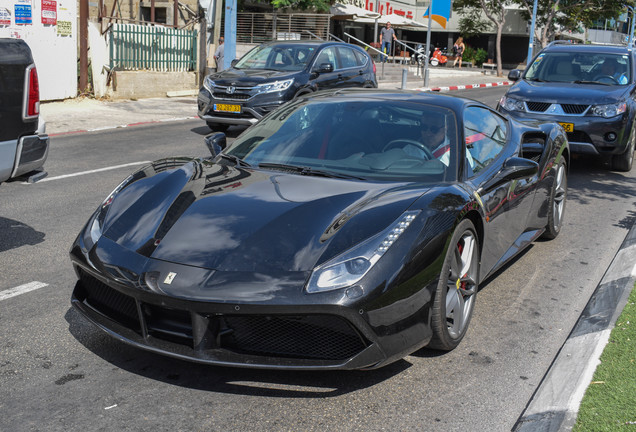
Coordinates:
275 86
609 110
348 268
511 104
208 84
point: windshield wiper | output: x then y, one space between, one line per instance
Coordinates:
535 79
308 171
237 160
590 82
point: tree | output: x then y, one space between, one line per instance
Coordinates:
495 11
302 5
557 15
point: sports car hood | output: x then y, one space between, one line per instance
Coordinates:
581 94
227 218
249 77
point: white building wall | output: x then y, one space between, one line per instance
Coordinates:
54 46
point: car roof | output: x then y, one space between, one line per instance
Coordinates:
585 48
309 43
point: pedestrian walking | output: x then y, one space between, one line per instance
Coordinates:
458 49
219 55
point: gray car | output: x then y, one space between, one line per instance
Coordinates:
276 72
589 90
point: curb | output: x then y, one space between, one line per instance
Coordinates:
465 87
79 131
555 404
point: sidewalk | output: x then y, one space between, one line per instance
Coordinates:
84 114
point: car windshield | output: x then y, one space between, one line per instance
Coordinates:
584 68
280 57
371 139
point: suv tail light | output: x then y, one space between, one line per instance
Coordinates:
374 68
31 93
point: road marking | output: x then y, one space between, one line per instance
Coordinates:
93 171
12 292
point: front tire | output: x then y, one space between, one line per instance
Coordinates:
457 288
556 203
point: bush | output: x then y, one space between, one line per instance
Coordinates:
480 57
469 55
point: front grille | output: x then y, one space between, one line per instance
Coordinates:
234 96
109 302
538 106
312 337
321 337
574 109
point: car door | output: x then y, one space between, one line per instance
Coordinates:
350 73
507 204
326 80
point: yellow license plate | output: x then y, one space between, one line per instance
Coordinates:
568 127
227 108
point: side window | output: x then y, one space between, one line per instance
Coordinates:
361 59
347 57
328 55
485 135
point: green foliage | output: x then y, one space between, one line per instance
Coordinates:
480 56
302 5
469 54
471 23
608 404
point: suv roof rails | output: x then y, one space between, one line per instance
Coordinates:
560 42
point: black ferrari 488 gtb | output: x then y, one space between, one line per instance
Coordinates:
345 230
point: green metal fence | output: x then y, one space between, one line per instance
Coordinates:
134 47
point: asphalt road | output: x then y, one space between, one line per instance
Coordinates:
58 373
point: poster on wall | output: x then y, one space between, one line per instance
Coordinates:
5 16
23 12
49 12
64 28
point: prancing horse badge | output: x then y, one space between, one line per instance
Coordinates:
168 280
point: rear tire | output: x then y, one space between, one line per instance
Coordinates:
456 290
217 127
556 203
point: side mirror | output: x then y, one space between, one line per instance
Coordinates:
216 142
515 168
324 68
514 75
233 62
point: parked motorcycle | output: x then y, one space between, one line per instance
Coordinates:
419 56
438 58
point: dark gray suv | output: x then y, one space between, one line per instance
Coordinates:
276 72
589 90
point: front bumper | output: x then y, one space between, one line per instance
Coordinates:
252 107
590 134
242 323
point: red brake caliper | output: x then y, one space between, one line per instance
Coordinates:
462 285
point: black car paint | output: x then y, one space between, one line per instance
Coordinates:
283 225
307 80
595 127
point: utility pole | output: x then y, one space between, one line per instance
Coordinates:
83 48
230 33
531 43
428 43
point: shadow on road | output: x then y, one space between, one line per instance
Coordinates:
591 179
14 234
251 382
